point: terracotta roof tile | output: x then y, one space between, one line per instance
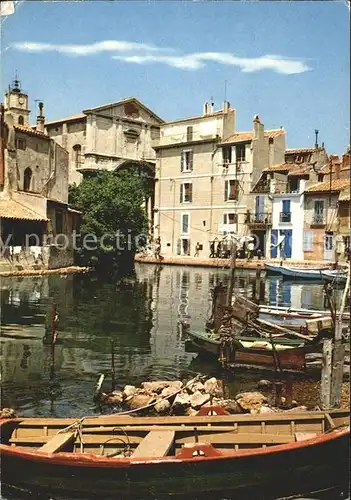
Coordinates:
335 185
248 136
10 209
300 150
79 116
282 167
345 194
215 113
31 131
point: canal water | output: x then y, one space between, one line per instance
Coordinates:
139 313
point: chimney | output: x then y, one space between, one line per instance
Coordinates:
40 118
206 108
346 162
226 107
211 106
258 128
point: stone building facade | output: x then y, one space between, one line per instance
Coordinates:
204 174
106 137
34 190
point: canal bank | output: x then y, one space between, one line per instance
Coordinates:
226 263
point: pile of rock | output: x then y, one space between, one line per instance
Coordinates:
186 398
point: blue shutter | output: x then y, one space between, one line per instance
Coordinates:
287 242
274 241
286 206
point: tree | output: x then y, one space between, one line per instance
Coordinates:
114 223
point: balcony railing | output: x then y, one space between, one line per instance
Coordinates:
318 219
259 219
285 217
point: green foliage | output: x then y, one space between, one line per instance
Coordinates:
112 209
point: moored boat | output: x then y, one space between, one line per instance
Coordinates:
274 353
317 273
251 456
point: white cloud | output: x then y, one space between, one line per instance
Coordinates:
143 53
88 49
287 66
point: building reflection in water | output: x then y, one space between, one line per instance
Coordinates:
140 314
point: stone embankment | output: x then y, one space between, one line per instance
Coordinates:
45 272
186 398
225 263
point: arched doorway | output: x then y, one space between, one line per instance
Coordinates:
27 179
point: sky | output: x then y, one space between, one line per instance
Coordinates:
288 62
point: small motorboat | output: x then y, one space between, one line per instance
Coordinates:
259 457
316 273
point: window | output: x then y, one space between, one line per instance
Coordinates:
185 224
328 241
58 222
318 215
230 218
27 177
77 155
307 241
320 177
189 134
20 120
227 154
240 152
20 144
285 214
231 190
187 161
186 192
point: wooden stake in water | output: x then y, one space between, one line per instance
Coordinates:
113 371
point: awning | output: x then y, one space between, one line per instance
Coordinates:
10 209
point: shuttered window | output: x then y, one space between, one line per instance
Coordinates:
307 241
231 190
186 161
186 192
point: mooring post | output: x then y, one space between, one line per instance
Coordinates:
338 351
326 374
278 394
53 336
113 372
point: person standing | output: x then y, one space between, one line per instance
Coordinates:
212 250
197 249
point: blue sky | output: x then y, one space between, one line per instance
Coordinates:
288 62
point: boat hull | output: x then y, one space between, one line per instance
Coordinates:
306 274
292 358
283 470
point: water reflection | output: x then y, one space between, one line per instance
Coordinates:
139 313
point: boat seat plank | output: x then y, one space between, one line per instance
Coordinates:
155 444
301 436
196 420
240 438
56 443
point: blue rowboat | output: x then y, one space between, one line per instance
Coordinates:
320 273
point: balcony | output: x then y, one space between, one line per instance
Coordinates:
285 217
261 220
318 220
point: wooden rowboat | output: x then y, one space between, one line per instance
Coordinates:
251 456
259 352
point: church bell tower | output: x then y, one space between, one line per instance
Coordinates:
16 102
